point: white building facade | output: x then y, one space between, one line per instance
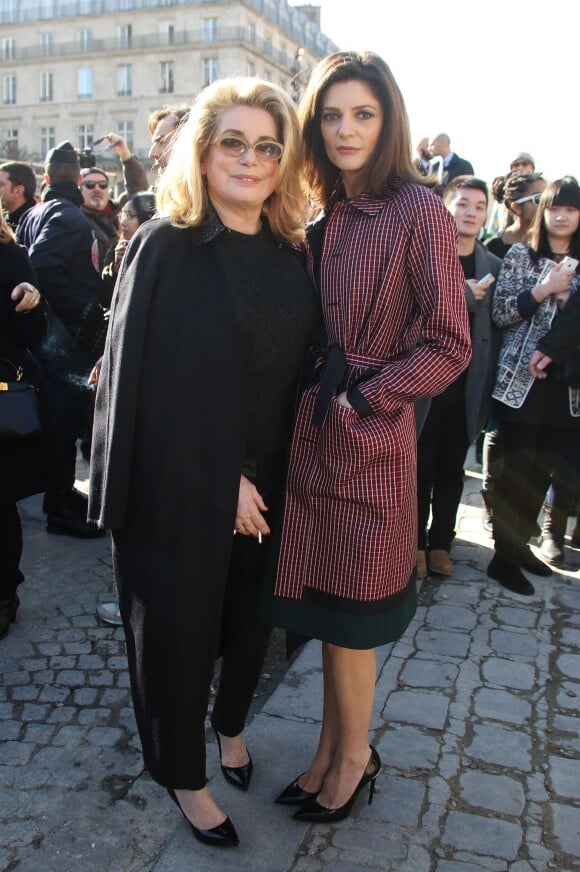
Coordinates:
79 70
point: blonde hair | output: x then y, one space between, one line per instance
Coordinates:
6 232
182 194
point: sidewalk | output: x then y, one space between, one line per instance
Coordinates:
476 721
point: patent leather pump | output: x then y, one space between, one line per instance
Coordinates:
313 812
294 795
237 776
222 836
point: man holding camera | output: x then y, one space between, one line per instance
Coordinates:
63 252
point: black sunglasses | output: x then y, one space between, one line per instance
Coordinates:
90 185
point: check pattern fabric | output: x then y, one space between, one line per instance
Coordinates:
390 275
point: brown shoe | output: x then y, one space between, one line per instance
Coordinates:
439 562
421 566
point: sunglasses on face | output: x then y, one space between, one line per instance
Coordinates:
90 185
535 198
236 146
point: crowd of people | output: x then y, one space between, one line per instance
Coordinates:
284 407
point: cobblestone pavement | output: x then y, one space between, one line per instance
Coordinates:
475 719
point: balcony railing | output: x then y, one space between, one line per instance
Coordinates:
290 21
150 41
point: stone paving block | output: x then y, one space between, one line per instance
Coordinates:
417 707
30 778
101 679
33 664
90 661
76 648
105 736
54 694
12 678
85 695
366 837
450 643
69 735
24 693
62 715
495 792
10 730
16 834
500 705
41 734
567 828
90 716
456 589
43 677
16 753
49 649
70 678
487 836
454 866
406 748
123 680
6 710
423 673
569 665
451 616
568 730
519 644
570 637
71 636
565 776
33 712
569 696
62 661
509 673
400 801
516 617
84 621
500 746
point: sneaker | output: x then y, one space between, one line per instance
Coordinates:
109 613
510 576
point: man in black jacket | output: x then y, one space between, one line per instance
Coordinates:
17 190
449 165
64 255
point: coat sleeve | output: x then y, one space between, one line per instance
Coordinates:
134 175
436 280
563 339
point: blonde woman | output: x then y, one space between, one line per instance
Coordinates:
211 317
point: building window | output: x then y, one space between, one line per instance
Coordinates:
210 70
9 90
250 68
268 75
124 35
85 135
85 39
268 42
47 139
11 143
8 48
46 44
167 34
252 33
46 9
166 77
210 29
124 5
125 129
85 82
124 80
46 88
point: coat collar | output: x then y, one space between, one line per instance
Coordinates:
367 202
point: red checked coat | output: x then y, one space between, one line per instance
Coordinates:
390 278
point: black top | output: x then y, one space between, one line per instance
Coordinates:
497 246
264 277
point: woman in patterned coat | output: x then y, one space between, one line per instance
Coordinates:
385 260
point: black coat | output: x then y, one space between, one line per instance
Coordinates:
23 462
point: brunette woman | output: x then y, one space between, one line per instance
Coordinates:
386 261
538 417
210 319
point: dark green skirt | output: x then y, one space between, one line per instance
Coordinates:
344 629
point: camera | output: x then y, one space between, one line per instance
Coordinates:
87 159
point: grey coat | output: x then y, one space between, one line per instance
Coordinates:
485 347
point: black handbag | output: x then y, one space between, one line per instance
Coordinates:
19 409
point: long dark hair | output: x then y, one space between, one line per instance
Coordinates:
562 192
143 205
391 160
507 189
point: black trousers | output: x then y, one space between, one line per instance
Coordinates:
173 638
533 453
10 550
441 454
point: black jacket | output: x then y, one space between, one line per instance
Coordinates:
23 462
562 341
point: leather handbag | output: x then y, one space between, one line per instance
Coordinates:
19 409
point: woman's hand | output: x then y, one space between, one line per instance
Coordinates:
249 518
556 282
28 296
120 250
95 372
342 400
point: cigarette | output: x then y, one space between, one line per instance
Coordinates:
259 538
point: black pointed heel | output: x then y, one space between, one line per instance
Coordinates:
313 812
294 795
237 776
222 836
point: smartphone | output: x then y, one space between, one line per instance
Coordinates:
568 265
486 281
